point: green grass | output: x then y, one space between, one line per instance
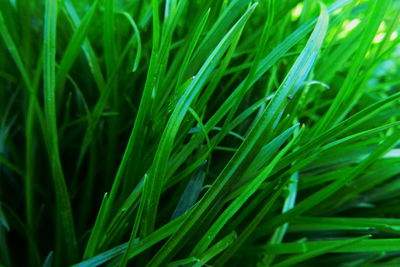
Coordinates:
199 133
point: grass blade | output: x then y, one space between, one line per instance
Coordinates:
65 232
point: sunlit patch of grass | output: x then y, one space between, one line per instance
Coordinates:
296 12
348 26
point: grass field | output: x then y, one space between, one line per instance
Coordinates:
199 133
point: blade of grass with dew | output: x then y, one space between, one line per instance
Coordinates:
168 29
208 92
153 185
130 201
30 162
290 85
182 106
266 63
191 47
239 119
268 79
137 134
256 63
65 232
216 249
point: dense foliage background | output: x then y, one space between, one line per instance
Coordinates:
199 133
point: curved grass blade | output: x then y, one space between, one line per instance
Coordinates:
320 251
138 246
247 192
153 185
216 249
291 84
327 191
344 100
74 46
87 48
364 245
65 232
138 40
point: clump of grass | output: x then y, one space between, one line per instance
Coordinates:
199 133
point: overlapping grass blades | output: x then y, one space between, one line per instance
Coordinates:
199 133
